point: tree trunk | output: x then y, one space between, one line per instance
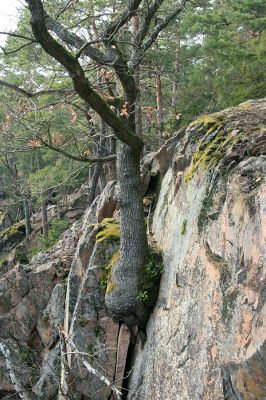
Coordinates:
112 173
177 68
159 101
94 182
27 216
122 291
138 115
44 218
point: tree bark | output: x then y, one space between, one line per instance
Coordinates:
138 114
177 69
27 216
93 183
112 173
44 218
122 299
159 101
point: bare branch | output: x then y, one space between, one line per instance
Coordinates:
17 49
75 41
146 22
35 94
165 22
113 57
122 19
80 82
85 46
78 158
18 36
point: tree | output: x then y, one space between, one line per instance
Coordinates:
106 50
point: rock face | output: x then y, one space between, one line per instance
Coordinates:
52 314
206 338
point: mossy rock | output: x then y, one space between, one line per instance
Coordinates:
215 144
13 231
209 120
12 236
109 230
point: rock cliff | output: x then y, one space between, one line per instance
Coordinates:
205 338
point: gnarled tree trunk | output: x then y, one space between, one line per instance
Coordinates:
121 298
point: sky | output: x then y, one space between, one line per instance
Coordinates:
8 16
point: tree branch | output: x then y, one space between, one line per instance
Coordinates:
80 82
122 19
77 158
35 94
145 24
113 57
18 36
165 22
75 41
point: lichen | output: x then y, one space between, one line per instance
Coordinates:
109 230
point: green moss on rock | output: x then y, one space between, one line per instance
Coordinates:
215 144
13 231
109 230
209 120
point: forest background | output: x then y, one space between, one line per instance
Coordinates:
209 57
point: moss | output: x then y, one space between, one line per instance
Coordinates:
109 230
209 151
15 230
28 356
97 330
212 148
83 321
43 243
106 282
150 276
91 350
6 259
184 227
208 120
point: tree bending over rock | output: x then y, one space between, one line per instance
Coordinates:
122 300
